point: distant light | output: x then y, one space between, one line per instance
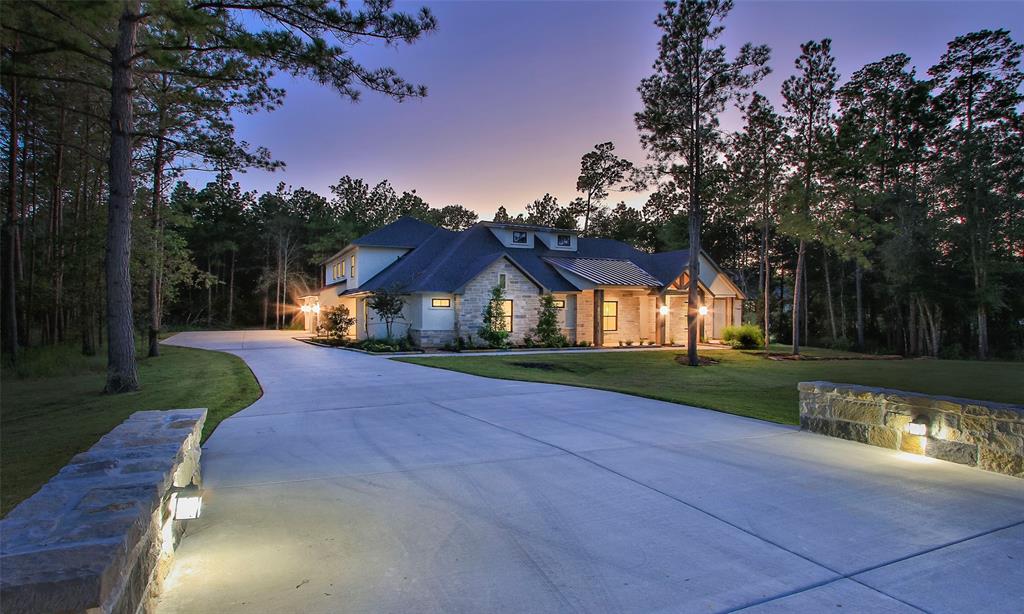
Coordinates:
703 310
316 308
188 502
663 310
306 309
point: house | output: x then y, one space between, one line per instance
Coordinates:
606 291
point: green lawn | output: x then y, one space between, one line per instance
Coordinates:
743 383
53 405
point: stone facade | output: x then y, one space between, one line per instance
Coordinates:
636 309
981 434
524 294
432 338
100 537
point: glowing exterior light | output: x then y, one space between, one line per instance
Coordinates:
703 310
918 427
316 308
306 308
188 502
663 310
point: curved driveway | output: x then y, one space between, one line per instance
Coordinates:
361 484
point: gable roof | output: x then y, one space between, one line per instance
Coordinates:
442 260
405 232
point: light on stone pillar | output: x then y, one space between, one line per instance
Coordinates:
703 310
663 310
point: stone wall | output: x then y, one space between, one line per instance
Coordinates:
99 536
431 338
981 434
524 294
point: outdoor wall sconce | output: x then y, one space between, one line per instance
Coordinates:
306 308
316 308
919 426
663 310
188 502
703 310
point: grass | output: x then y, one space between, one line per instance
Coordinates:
54 407
743 383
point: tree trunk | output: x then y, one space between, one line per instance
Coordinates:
157 264
122 372
57 234
982 332
231 290
912 328
828 293
798 295
10 294
693 319
764 282
858 273
209 292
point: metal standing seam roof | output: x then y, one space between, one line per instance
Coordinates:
606 271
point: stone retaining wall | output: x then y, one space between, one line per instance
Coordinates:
99 536
976 433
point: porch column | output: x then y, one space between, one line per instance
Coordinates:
598 317
660 332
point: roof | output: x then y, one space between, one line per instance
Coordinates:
606 271
445 261
403 233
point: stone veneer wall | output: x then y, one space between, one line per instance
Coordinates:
524 294
99 537
981 434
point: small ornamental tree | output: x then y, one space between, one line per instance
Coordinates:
388 304
547 330
494 331
335 322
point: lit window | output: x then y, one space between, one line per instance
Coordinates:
441 303
342 268
352 266
519 237
559 303
610 321
564 241
506 309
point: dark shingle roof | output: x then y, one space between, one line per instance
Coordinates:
445 261
606 271
404 232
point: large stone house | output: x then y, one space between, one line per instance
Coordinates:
606 291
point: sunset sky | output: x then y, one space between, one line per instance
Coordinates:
518 91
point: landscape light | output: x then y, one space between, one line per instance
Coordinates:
663 310
703 310
188 502
918 427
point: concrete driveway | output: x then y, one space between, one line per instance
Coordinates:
360 484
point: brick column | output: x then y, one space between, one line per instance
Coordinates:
598 317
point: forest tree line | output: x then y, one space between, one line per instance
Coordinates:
880 210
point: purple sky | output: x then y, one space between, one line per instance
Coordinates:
518 91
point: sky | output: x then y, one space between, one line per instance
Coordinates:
519 91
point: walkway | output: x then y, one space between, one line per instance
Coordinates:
361 484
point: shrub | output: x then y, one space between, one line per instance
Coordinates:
746 337
547 330
335 322
493 331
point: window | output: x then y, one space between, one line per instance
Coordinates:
352 266
564 241
441 303
506 308
501 280
519 237
610 321
342 269
559 303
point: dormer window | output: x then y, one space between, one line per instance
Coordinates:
519 237
564 241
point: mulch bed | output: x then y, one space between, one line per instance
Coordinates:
704 361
